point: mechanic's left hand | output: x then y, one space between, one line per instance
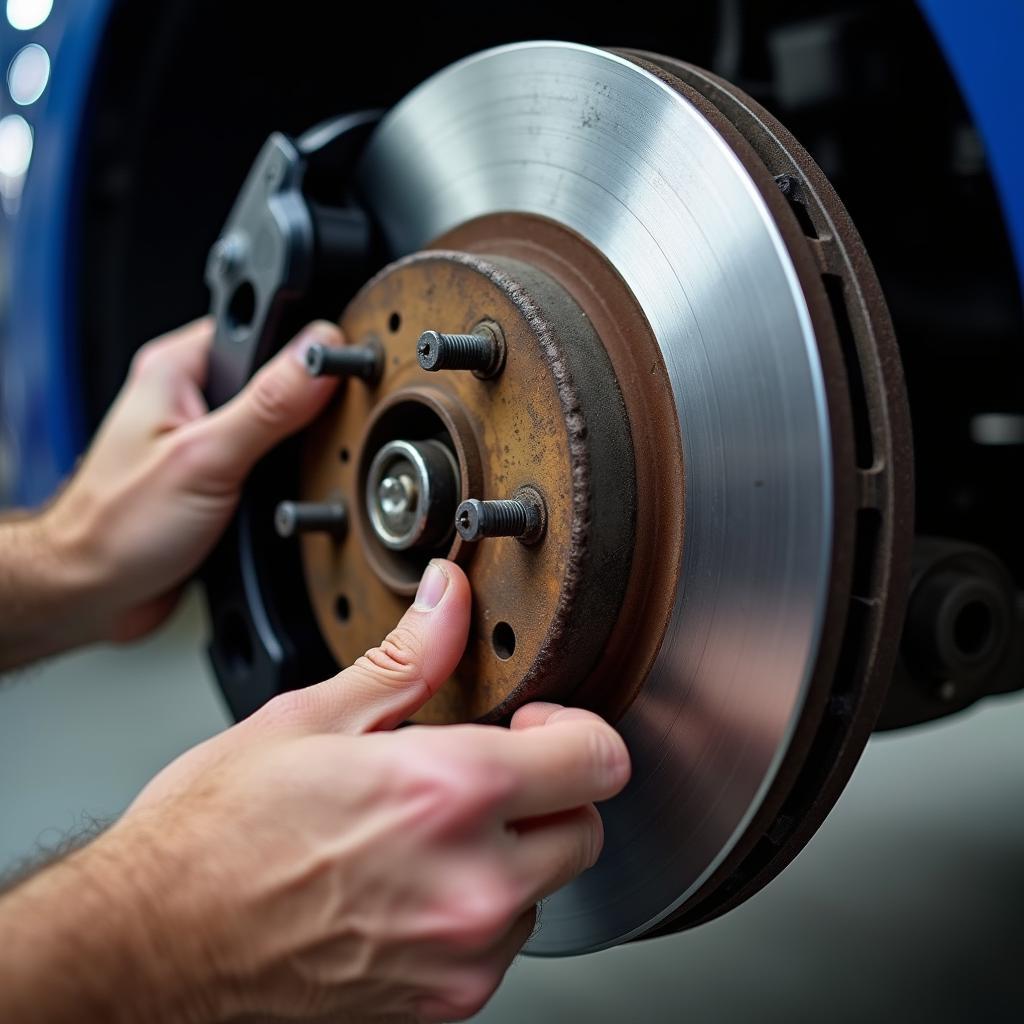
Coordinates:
163 475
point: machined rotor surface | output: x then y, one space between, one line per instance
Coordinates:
592 141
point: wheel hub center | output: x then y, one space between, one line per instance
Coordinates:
496 400
396 495
410 494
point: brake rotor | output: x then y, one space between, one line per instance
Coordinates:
699 385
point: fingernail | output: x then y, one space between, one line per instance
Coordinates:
432 587
314 334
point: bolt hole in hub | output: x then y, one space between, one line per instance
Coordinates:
503 640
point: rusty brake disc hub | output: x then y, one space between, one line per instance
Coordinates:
547 428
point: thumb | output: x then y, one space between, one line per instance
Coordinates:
539 712
280 399
390 682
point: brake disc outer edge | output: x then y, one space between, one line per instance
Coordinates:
873 504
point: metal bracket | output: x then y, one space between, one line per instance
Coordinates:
279 248
294 248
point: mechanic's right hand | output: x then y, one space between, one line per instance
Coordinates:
316 866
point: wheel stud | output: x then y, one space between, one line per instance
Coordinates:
292 517
363 361
483 352
523 516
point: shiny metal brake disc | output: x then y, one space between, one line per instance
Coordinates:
630 367
624 154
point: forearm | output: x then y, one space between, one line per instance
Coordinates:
47 600
93 938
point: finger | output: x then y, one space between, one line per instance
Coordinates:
388 683
480 977
279 400
180 354
550 852
511 943
339 1017
163 386
522 931
190 361
531 715
143 619
575 758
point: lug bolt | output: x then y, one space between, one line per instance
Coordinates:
483 352
522 516
363 361
292 517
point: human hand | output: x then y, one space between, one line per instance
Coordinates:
163 476
306 865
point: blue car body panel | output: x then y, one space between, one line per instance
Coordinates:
982 42
39 374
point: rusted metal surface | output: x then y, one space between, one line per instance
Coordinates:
639 367
554 420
